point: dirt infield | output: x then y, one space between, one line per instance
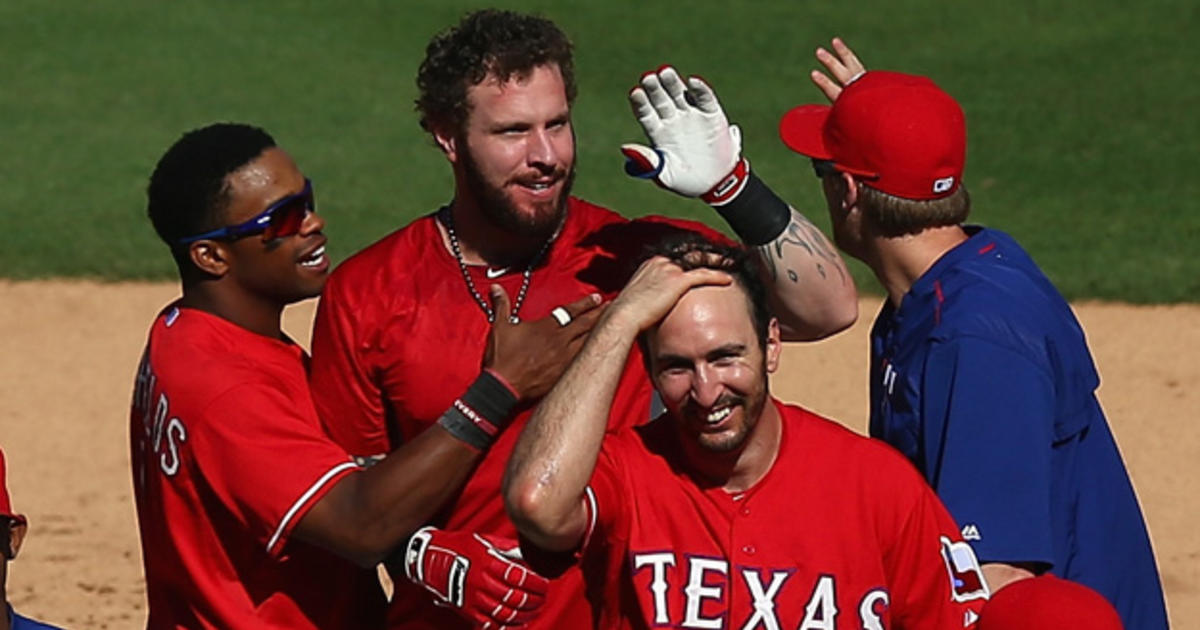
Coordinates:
70 350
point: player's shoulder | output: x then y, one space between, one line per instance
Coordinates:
200 356
995 290
391 258
828 443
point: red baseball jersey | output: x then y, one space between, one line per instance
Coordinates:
841 533
398 337
228 455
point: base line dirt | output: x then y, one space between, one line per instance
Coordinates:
70 348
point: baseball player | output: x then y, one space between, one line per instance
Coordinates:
733 509
13 527
250 515
980 373
401 329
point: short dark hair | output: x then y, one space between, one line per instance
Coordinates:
690 250
188 193
486 43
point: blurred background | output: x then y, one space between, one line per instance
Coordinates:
1082 115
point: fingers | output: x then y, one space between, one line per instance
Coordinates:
706 277
659 99
843 68
674 86
830 88
849 60
583 305
642 109
703 96
500 303
642 161
665 93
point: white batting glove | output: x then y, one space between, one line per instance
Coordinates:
696 152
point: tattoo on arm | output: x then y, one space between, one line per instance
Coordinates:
801 233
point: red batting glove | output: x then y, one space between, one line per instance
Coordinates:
478 576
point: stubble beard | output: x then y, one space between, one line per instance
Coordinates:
499 210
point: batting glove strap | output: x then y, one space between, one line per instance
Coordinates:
479 415
440 570
753 210
730 186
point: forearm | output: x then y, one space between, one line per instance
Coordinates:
368 514
556 453
999 574
811 291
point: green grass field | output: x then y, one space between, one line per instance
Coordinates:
1083 132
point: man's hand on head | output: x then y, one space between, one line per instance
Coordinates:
655 288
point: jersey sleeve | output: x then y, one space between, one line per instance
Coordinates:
989 417
935 579
266 461
348 399
603 500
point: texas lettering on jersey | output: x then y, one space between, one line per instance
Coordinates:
690 591
695 591
879 552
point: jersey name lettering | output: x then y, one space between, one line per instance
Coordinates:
705 584
159 435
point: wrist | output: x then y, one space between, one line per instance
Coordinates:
482 411
730 186
617 325
755 212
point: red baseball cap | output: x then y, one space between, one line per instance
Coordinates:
1045 603
899 132
5 503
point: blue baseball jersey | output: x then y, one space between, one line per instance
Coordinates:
982 377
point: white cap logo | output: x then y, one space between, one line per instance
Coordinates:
942 185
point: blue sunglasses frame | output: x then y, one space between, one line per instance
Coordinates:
263 221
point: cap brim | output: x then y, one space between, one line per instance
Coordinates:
802 130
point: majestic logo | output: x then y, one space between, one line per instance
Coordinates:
971 532
942 185
966 578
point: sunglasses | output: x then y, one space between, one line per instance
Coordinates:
282 218
823 168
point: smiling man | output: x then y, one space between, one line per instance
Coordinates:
402 326
250 516
732 509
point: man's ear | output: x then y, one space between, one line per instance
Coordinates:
210 256
16 535
850 196
774 346
447 141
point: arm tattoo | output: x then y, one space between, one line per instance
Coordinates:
801 233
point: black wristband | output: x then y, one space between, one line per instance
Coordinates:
757 214
479 415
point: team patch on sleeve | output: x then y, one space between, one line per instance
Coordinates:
966 577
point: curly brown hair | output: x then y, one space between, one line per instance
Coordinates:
486 43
